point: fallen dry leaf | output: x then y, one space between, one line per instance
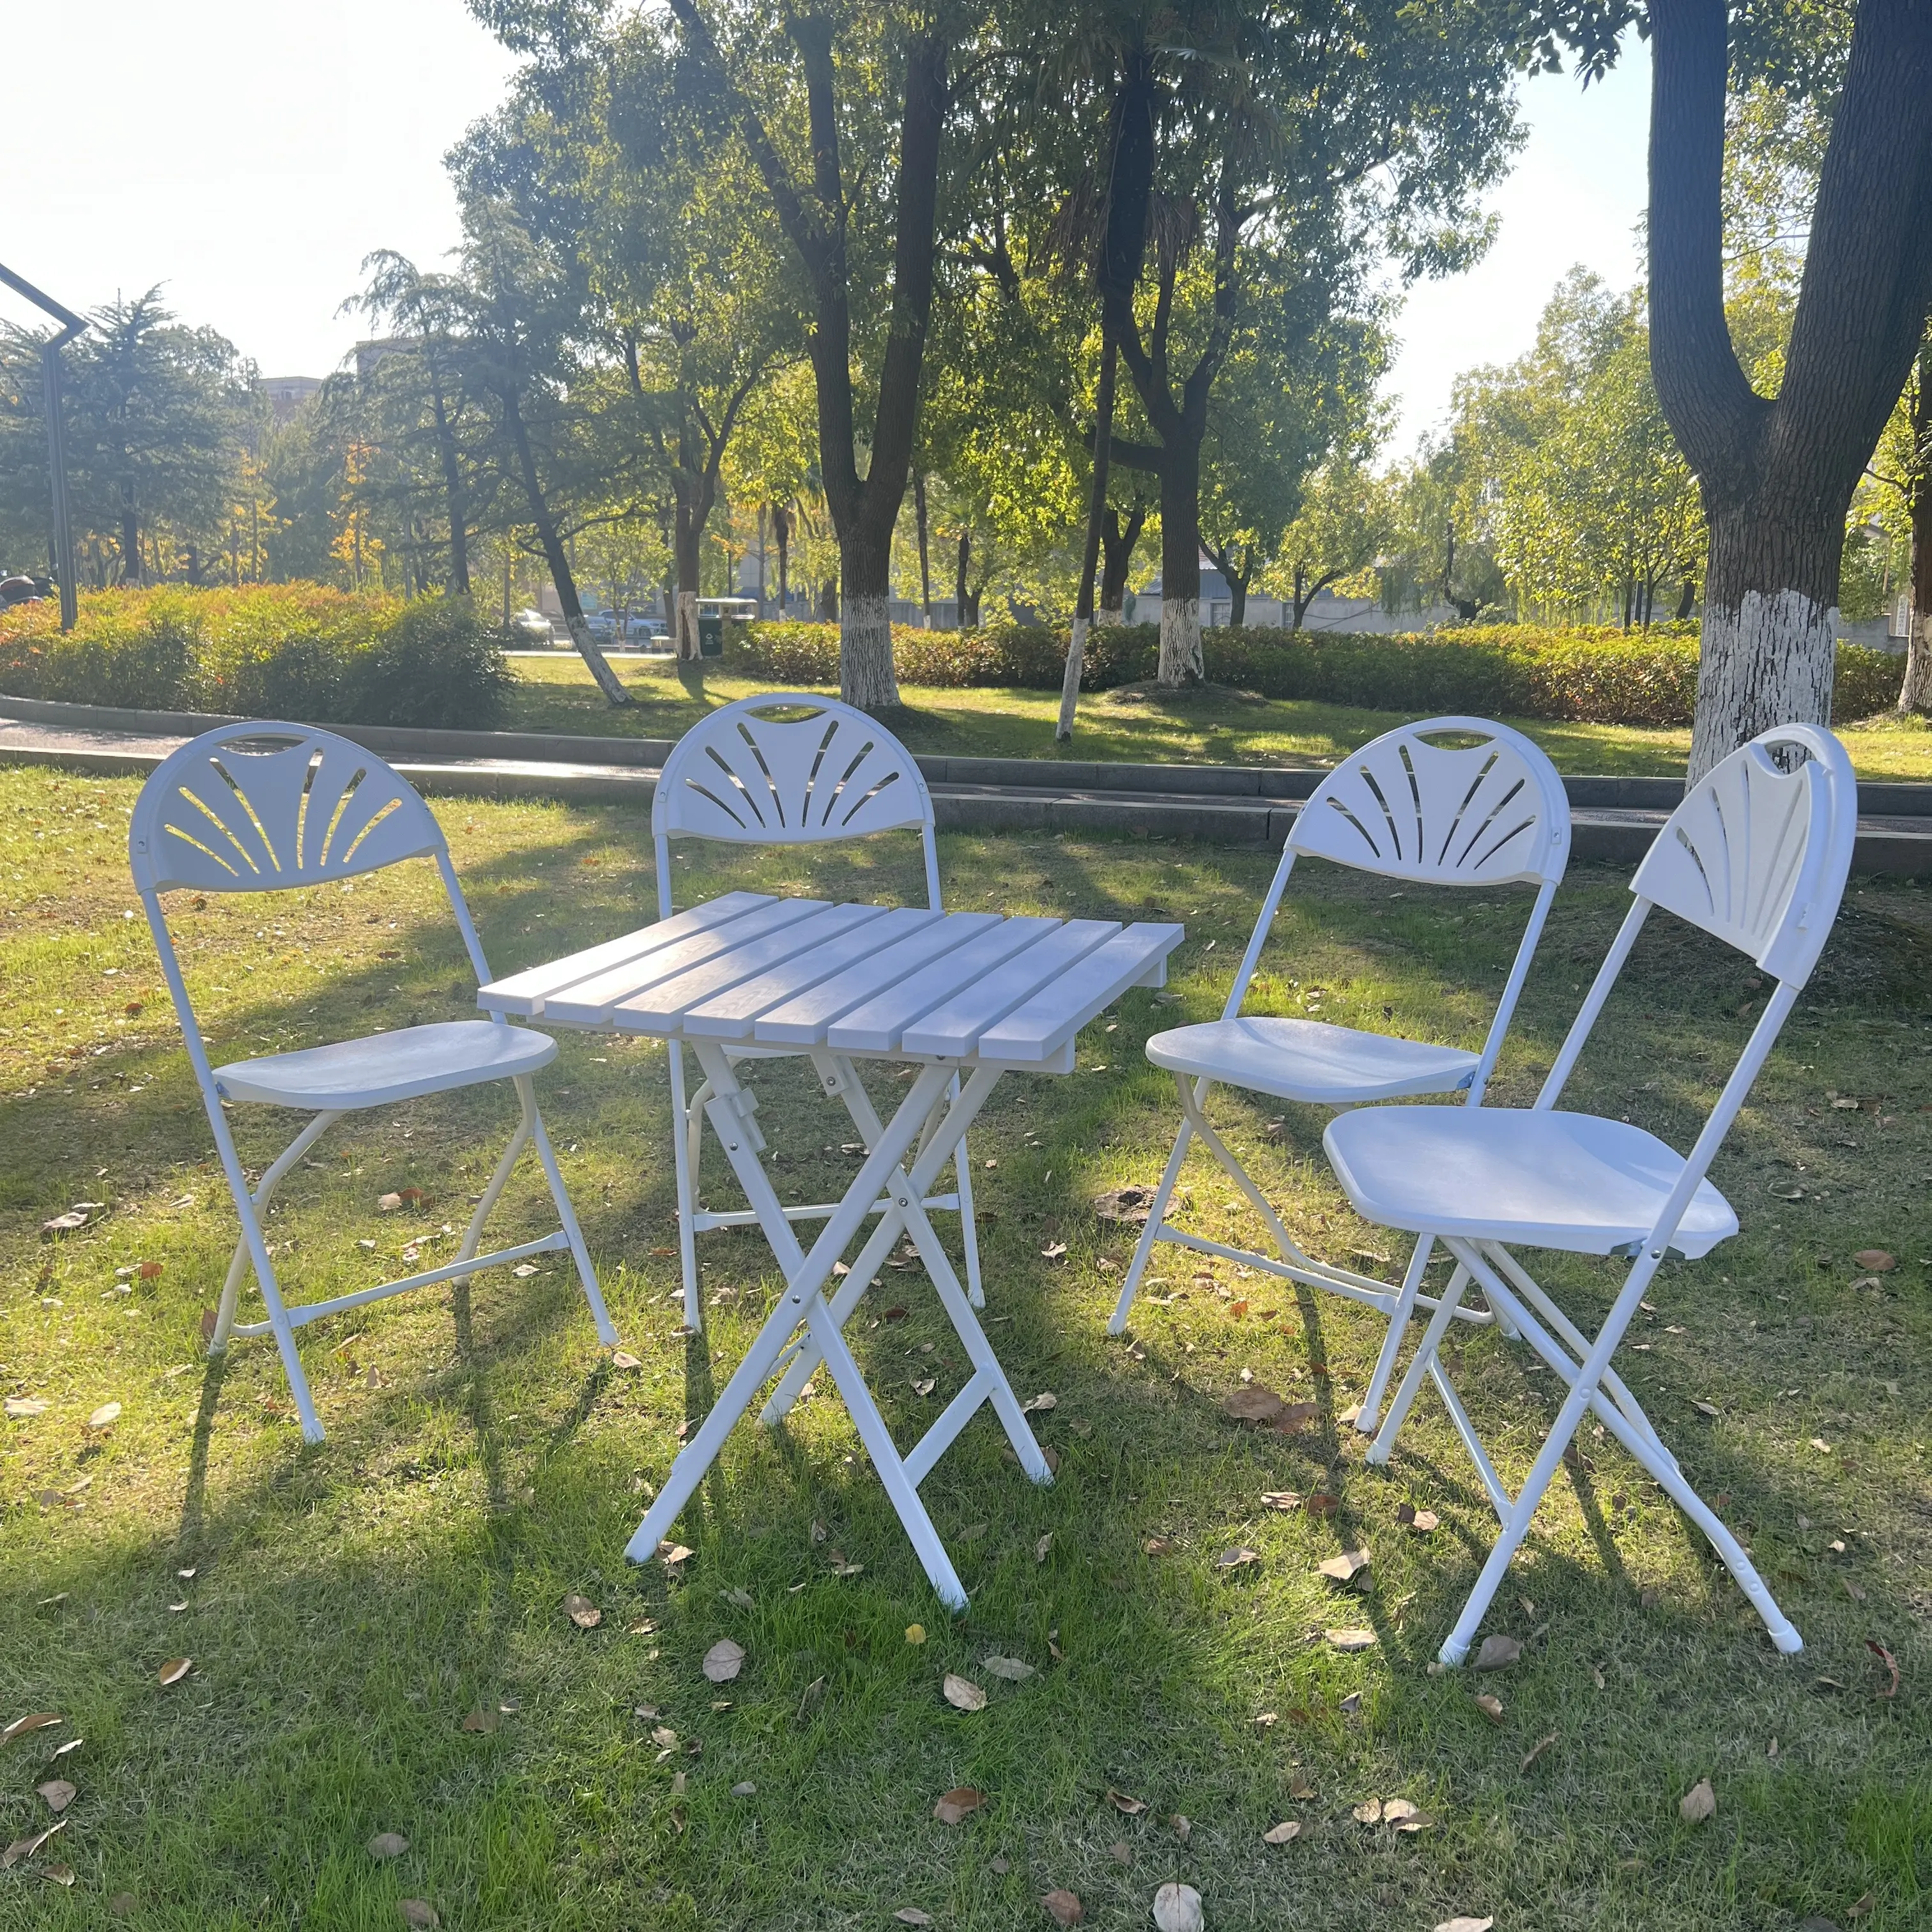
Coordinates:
387 1204
1698 1803
1891 1662
962 1693
1498 1653
1054 1251
484 1719
20 1407
1369 1812
1404 1815
915 1633
582 1612
1352 1639
26 1848
1127 1204
1239 1558
1011 1669
1063 1907
1296 1416
1046 1400
1285 1833
58 1793
1255 1404
744 1788
1537 1749
669 1552
1177 1908
35 1721
1345 1567
1281 1499
419 1913
724 1660
176 1669
65 1874
105 1416
1877 1259
1319 1502
1860 1907
910 1914
1040 1548
1465 1925
388 1845
1299 1787
64 1224
958 1804
622 1358
1121 1801
1182 1827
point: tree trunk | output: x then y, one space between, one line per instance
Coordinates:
452 487
781 530
688 531
1116 542
1083 604
1687 597
1181 662
959 578
866 675
560 574
131 537
1776 476
1914 693
924 559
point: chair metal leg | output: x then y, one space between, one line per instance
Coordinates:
1379 1451
231 1288
684 1168
264 1273
587 1275
1399 1321
1116 1322
969 1227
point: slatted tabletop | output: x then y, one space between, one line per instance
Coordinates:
870 980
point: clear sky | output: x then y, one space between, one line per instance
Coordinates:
249 156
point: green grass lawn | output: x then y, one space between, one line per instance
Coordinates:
376 1627
557 695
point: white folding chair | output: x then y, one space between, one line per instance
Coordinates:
1486 813
265 807
1756 855
788 769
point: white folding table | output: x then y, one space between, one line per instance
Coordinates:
967 996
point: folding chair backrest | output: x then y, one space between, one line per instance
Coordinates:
1757 856
1486 813
789 768
254 808
1475 814
260 808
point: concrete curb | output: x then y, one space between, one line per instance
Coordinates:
1613 820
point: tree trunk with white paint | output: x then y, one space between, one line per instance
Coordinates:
866 675
1777 474
1181 662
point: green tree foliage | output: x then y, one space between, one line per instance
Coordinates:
157 416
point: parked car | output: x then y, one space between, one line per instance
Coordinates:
534 625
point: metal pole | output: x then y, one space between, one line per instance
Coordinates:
71 325
50 391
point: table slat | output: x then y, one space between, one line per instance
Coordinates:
662 1007
523 993
952 1027
1042 1024
730 1015
876 1026
592 1002
802 1021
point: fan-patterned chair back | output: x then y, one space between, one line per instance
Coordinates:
1456 815
260 808
1756 855
788 769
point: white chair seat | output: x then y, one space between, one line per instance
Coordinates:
383 1067
1546 1179
1311 1061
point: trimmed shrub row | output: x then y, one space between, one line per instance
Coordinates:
1595 675
298 651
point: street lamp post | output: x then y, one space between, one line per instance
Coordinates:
71 325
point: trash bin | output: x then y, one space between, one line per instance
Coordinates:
710 635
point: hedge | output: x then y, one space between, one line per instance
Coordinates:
1588 675
295 650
